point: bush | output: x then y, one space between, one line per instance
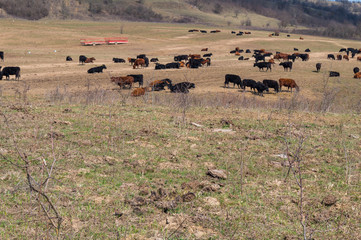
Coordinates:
28 9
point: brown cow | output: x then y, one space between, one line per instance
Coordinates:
237 54
204 49
206 61
247 32
358 58
346 57
270 35
262 51
272 61
181 64
283 56
131 60
290 83
339 57
140 62
122 81
301 38
194 56
139 91
357 75
237 49
89 60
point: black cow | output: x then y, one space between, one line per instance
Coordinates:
203 31
98 69
288 35
239 34
295 49
307 50
261 88
137 78
240 51
159 66
208 55
68 58
146 61
161 84
272 84
233 51
267 54
248 51
142 56
235 79
334 74
286 66
233 32
7 71
182 87
118 60
180 58
356 70
195 63
2 55
249 83
262 65
304 57
213 31
343 50
154 60
172 65
292 57
82 59
318 67
241 58
331 56
259 58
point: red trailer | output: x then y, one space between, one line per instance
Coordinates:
103 41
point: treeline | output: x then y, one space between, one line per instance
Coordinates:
28 9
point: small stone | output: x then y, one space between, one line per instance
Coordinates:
216 173
329 200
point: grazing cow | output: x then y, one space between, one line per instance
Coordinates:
194 56
295 49
286 66
339 57
318 67
2 55
233 32
237 54
261 88
180 58
304 57
118 60
343 50
241 58
357 75
233 51
331 56
159 66
204 49
247 32
194 63
301 38
203 31
283 56
131 60
259 58
292 57
356 70
154 60
82 59
182 87
246 59
89 60
143 56
139 91
288 35
262 65
159 85
307 50
68 58
248 51
122 81
346 57
206 61
193 30
140 62
249 83
137 78
98 69
272 61
208 55
239 34
334 74
7 71
358 58
235 79
290 83
271 84
173 65
213 31
146 60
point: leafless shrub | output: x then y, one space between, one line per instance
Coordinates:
328 95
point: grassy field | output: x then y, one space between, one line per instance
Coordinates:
136 168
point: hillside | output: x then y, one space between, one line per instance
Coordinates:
312 16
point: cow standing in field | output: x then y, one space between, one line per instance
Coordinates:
123 81
1 55
118 60
68 59
318 67
286 66
82 59
262 65
249 83
290 83
271 84
137 78
331 56
235 79
140 62
261 88
7 71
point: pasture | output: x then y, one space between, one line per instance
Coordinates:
135 168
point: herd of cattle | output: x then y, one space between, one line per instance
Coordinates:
263 60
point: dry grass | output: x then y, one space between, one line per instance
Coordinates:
113 151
